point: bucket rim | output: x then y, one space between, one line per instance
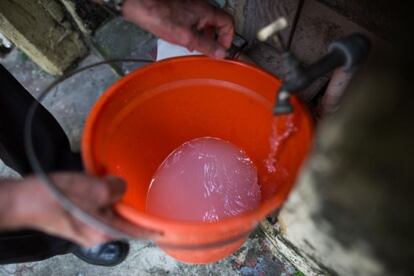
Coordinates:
153 222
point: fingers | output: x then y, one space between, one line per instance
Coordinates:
105 191
193 40
223 25
180 22
90 192
225 28
201 36
116 189
94 195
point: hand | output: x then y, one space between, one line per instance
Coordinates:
37 208
189 23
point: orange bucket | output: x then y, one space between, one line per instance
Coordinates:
141 119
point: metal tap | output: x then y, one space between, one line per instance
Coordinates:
347 52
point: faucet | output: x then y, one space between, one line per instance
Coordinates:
347 52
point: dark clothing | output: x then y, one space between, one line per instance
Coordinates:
53 148
31 246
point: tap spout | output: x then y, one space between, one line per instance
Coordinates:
347 52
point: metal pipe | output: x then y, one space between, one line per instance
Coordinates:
335 91
347 52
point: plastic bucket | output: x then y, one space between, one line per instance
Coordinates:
141 119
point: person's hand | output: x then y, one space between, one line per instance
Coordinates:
36 208
190 23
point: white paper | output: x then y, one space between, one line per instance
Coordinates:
168 50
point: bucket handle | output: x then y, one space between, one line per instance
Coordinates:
129 231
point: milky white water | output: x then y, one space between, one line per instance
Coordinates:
206 179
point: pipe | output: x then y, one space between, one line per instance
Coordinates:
335 91
347 52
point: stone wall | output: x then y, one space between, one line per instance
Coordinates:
42 30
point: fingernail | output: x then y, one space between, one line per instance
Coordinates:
220 53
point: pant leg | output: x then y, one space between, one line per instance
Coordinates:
51 143
53 149
31 246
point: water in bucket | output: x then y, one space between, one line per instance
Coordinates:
206 179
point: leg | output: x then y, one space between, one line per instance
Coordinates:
53 148
30 246
51 141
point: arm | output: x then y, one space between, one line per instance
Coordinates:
194 24
28 204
